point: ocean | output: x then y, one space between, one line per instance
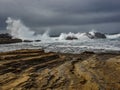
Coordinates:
67 46
79 42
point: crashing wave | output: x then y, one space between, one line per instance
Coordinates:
65 36
114 36
80 36
96 35
18 30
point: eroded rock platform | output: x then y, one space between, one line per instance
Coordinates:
37 70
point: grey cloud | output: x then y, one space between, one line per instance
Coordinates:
63 15
83 6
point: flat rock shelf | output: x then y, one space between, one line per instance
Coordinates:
34 69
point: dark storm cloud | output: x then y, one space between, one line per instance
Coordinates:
84 6
63 15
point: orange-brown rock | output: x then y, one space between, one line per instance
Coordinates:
37 70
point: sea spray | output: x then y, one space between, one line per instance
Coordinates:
63 36
18 30
45 36
114 36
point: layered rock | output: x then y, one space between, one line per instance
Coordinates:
36 70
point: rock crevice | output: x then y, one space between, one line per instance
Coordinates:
20 70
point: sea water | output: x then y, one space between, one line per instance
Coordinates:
58 44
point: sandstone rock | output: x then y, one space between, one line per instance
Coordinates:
36 70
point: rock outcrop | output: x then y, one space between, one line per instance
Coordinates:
36 70
96 35
71 38
27 41
7 39
5 35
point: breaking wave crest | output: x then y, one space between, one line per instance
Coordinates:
18 30
114 36
63 36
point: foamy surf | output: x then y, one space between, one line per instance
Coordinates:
114 36
18 30
65 42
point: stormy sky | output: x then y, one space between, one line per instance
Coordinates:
63 15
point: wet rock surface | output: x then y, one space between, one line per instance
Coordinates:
96 35
71 38
27 41
5 35
7 39
37 70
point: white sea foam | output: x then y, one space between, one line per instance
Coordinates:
58 44
79 36
114 36
18 30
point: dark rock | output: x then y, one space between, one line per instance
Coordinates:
6 35
37 40
71 38
27 41
96 35
99 35
8 41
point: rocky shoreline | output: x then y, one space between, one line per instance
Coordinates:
36 70
8 39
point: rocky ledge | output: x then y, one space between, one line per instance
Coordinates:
37 70
7 39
